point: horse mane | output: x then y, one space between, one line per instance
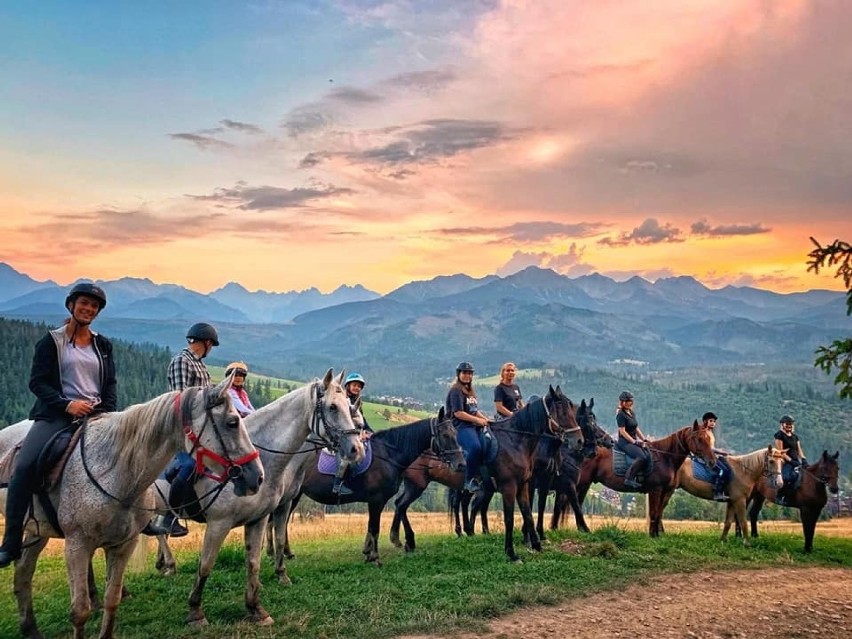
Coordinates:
127 432
669 440
528 419
407 436
751 460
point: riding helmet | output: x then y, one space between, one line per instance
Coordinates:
464 367
786 420
239 367
354 377
625 396
707 416
90 290
203 331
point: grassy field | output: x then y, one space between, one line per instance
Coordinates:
447 585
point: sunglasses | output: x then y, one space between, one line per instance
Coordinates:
240 374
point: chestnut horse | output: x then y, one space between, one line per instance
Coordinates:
809 498
668 454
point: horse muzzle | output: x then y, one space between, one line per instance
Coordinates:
247 478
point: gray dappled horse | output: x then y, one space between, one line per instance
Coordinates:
318 413
103 499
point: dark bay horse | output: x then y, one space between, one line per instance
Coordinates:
809 498
668 454
421 473
559 473
394 450
565 482
552 418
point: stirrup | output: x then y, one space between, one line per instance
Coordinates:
632 483
339 488
720 495
473 485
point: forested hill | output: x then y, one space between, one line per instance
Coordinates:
141 369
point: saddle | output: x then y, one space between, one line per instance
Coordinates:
702 472
327 462
792 476
621 461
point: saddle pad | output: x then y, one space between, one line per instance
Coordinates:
701 472
327 462
7 464
621 461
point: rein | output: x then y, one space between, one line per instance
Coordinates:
552 425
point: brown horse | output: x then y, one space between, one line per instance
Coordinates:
746 471
809 498
668 454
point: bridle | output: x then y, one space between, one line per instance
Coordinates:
555 428
445 455
321 432
232 469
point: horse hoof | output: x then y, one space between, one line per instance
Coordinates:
202 621
264 621
284 580
517 561
409 548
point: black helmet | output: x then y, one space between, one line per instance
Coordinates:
625 396
464 366
203 331
89 289
786 420
707 416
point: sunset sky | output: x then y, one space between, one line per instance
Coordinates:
297 143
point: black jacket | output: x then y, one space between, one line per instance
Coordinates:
46 382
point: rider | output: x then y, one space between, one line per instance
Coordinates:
353 384
507 394
187 369
787 441
239 396
469 420
72 376
723 470
631 441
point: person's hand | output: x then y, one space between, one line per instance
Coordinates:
640 443
483 421
365 435
79 408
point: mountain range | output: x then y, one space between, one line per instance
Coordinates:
535 315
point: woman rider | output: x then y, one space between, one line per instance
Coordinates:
507 394
72 377
469 421
631 440
788 441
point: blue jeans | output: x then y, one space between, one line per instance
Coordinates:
468 437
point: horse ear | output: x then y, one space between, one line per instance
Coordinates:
695 424
835 455
327 378
221 389
591 403
441 414
357 405
552 391
583 404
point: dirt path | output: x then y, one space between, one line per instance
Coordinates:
782 603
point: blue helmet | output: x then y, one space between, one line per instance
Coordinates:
354 377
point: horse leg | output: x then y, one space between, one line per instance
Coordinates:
543 491
655 512
729 518
509 493
279 523
740 513
754 511
165 559
116 563
270 537
253 534
93 589
371 545
78 555
410 493
467 513
809 518
213 538
574 502
484 505
23 585
559 501
526 516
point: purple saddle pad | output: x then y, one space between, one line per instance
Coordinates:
327 462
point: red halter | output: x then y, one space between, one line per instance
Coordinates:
232 469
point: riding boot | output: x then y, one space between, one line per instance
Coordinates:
630 475
719 492
339 488
177 497
154 529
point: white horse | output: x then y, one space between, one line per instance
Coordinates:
103 499
318 413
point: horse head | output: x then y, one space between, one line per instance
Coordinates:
226 445
700 444
827 471
332 419
563 418
445 443
593 434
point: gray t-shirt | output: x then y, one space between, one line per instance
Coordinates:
80 371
